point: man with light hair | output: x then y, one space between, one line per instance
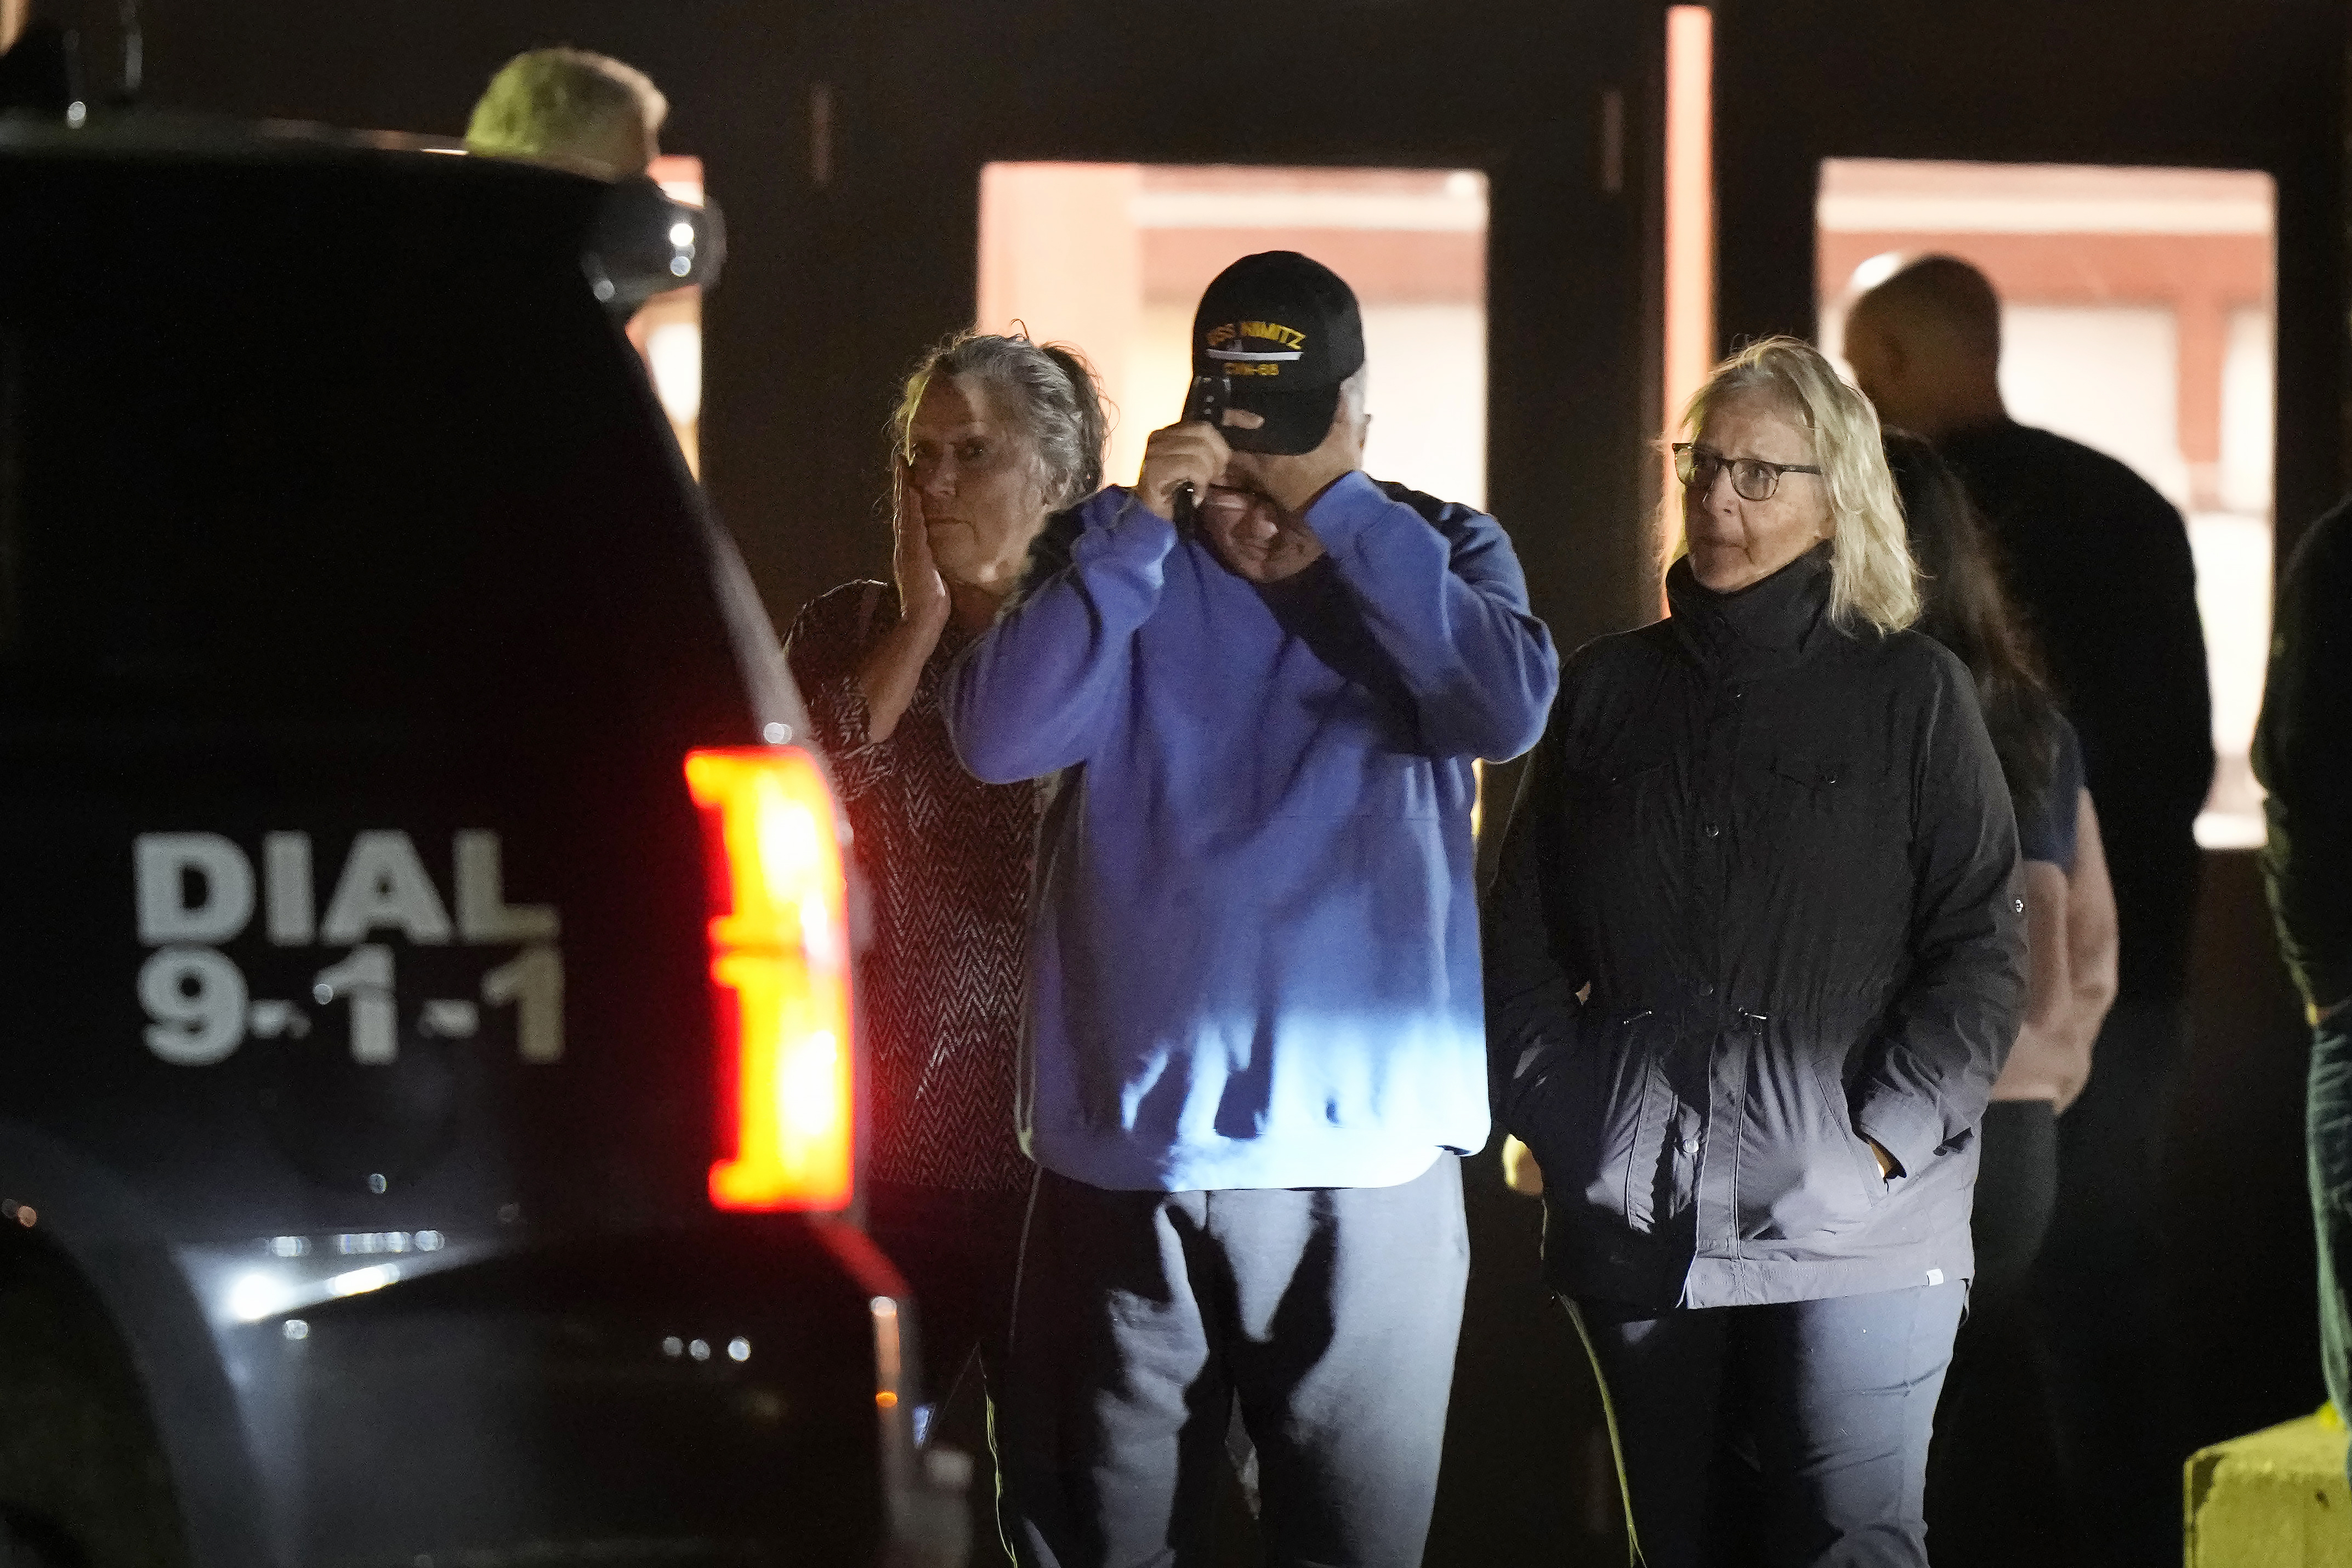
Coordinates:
2101 565
571 106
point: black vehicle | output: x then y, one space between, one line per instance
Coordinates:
430 1091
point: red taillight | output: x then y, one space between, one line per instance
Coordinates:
780 963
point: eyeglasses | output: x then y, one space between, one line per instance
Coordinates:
1752 477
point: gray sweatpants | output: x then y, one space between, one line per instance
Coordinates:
1331 1313
1789 1435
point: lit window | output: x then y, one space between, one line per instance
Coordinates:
1113 258
2136 317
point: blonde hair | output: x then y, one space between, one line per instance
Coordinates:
566 103
1872 576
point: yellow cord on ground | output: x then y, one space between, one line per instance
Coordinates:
1616 1443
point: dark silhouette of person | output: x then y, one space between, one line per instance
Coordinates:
2100 564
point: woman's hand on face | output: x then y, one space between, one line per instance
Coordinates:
893 667
1190 454
923 599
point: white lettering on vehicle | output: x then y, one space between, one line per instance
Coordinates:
483 913
174 866
195 892
383 884
196 998
285 875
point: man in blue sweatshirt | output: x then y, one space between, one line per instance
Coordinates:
1254 1046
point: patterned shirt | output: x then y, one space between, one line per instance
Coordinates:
947 858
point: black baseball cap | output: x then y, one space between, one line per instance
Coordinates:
1284 329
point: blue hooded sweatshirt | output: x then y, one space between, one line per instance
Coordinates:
1254 939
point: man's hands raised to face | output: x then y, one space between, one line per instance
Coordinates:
1256 538
1252 505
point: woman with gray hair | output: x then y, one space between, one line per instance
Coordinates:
991 437
1755 954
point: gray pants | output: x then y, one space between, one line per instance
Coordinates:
1791 1436
1331 1313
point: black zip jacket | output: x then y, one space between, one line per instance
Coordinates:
2302 754
1781 857
2100 564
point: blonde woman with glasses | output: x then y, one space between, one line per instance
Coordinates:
1754 958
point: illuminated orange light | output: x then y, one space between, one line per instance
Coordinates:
781 949
1690 202
1690 219
886 1400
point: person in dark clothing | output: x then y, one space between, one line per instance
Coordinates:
2100 564
991 435
2070 923
2303 755
2070 916
1754 957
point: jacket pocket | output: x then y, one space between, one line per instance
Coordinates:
1814 1175
1589 1120
1804 793
1821 804
1612 806
1865 1161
